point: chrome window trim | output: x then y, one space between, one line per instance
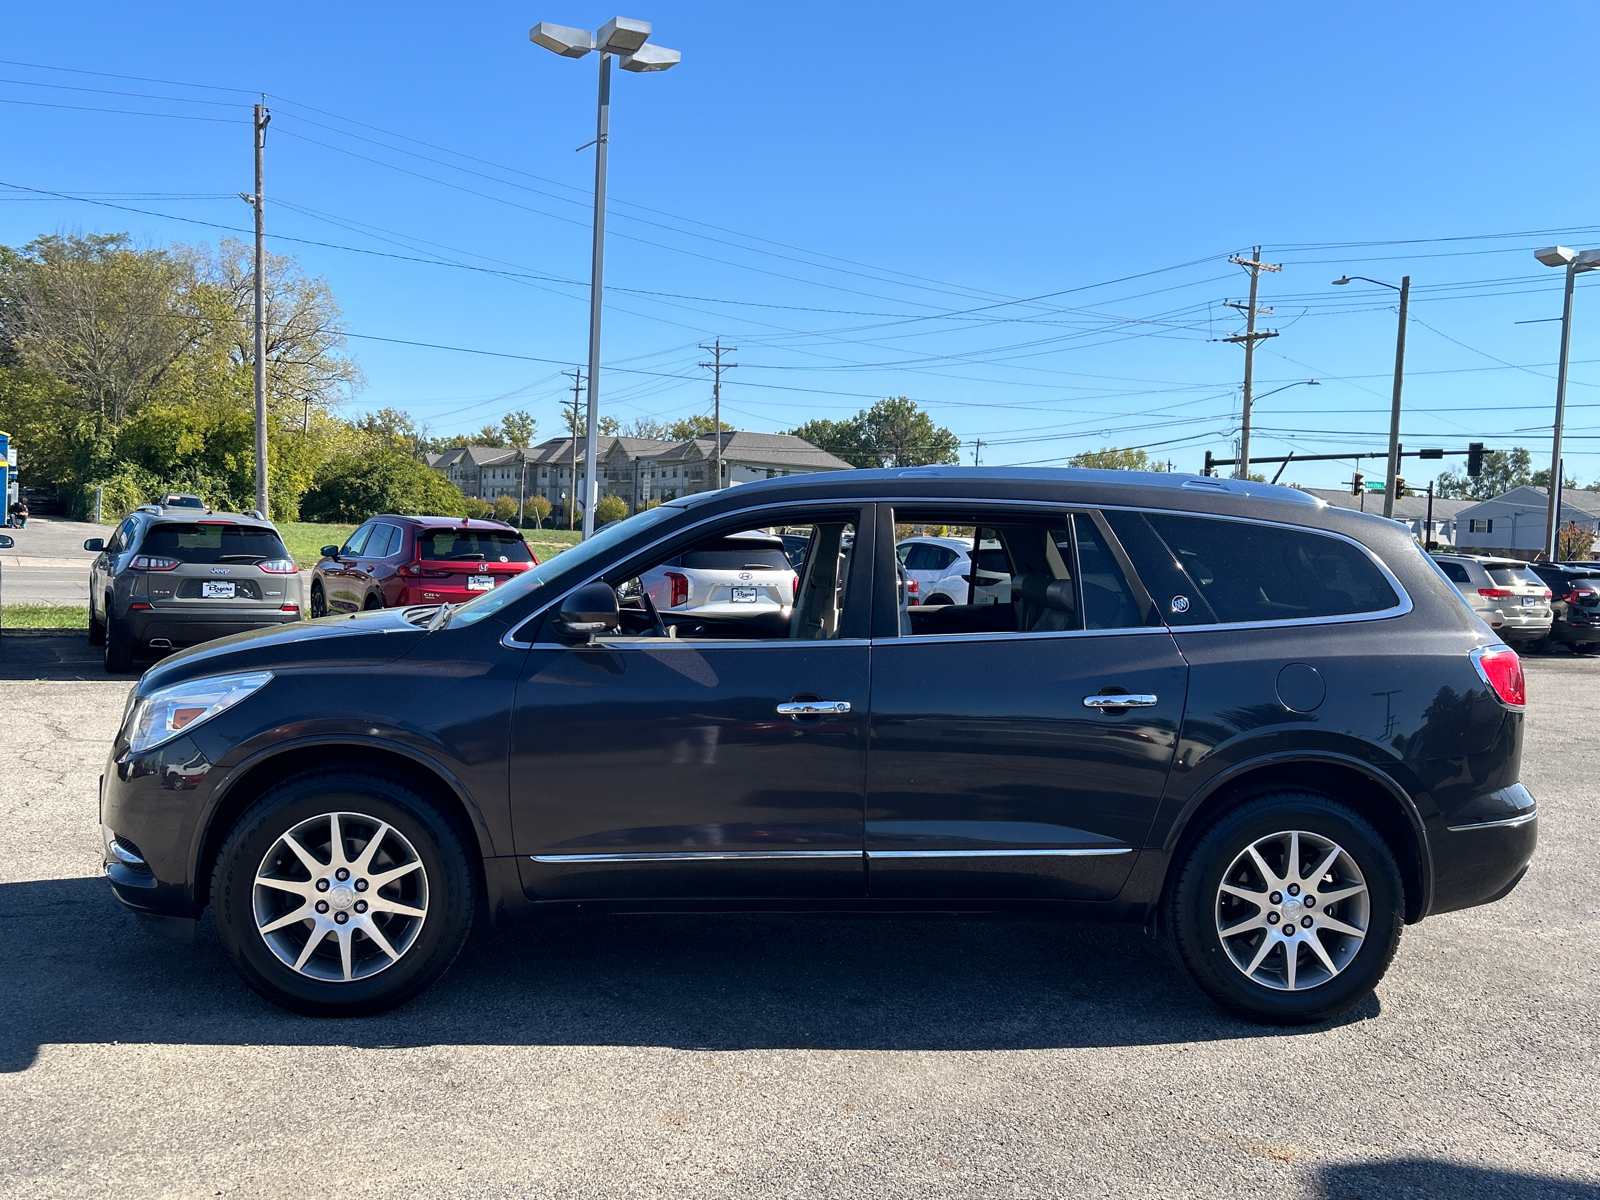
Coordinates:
1074 853
924 638
511 642
1505 823
697 856
690 644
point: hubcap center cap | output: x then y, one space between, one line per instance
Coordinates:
1291 908
341 895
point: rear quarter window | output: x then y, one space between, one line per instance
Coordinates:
1249 572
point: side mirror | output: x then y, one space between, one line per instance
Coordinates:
330 552
587 611
7 541
95 544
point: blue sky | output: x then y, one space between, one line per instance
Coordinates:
1021 217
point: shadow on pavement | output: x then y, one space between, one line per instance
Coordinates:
1419 1178
75 967
56 655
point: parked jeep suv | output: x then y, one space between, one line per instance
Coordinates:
177 576
1265 727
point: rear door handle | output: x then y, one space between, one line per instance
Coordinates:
814 708
1128 701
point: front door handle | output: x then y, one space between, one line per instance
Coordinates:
814 708
1124 701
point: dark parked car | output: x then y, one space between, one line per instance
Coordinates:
177 576
1574 604
1263 726
390 562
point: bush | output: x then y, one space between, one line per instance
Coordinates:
505 508
353 487
610 508
475 508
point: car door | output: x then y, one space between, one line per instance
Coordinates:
644 765
1000 764
102 569
340 579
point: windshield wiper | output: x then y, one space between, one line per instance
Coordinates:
440 619
242 558
466 557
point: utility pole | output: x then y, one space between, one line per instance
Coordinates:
717 366
976 447
572 492
257 201
1394 409
1248 339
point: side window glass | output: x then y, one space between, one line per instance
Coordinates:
1021 577
1250 572
920 556
1178 598
385 541
1454 572
358 540
943 557
121 539
1108 602
740 585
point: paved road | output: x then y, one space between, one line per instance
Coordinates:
770 1056
49 564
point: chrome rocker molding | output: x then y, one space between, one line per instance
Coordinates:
1506 823
997 853
763 855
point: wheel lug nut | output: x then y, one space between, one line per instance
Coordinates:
1305 922
1311 901
322 906
1294 888
341 874
322 885
341 918
1272 918
1276 897
361 885
361 906
1288 929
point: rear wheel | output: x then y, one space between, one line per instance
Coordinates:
342 893
373 601
118 646
319 602
1288 909
938 598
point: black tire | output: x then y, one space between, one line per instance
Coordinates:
118 646
97 629
373 601
1583 647
449 881
1537 646
939 599
319 602
1194 904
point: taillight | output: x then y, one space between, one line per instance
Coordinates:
153 562
415 571
1496 593
1547 593
680 588
278 566
1501 669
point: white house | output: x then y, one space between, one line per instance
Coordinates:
1515 521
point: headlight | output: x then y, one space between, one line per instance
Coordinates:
166 713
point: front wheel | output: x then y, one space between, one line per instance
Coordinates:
342 893
1288 909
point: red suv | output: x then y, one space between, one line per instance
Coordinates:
390 562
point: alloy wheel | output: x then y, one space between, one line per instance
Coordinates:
340 897
1292 910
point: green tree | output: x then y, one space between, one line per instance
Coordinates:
610 508
842 439
490 435
352 487
1502 471
1112 459
578 424
1541 478
519 428
504 508
894 432
539 507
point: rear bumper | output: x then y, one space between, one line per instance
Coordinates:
189 629
1577 628
1481 854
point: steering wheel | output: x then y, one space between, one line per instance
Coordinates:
655 614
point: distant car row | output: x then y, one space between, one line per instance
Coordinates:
1531 605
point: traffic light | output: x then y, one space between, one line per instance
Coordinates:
1399 487
1474 459
1358 483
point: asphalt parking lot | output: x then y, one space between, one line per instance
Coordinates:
769 1056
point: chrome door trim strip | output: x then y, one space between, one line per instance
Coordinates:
1506 823
1081 853
696 856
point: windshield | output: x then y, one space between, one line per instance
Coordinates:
460 545
213 542
560 564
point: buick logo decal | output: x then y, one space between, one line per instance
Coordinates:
1180 604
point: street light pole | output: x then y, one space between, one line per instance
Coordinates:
1392 472
1575 262
627 39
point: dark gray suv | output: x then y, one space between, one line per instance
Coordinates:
173 577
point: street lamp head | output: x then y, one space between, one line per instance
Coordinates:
651 58
1587 260
1313 383
1555 256
561 39
622 36
1341 281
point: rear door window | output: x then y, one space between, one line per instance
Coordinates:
1454 572
467 545
214 542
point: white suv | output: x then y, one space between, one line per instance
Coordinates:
1508 584
737 576
939 567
